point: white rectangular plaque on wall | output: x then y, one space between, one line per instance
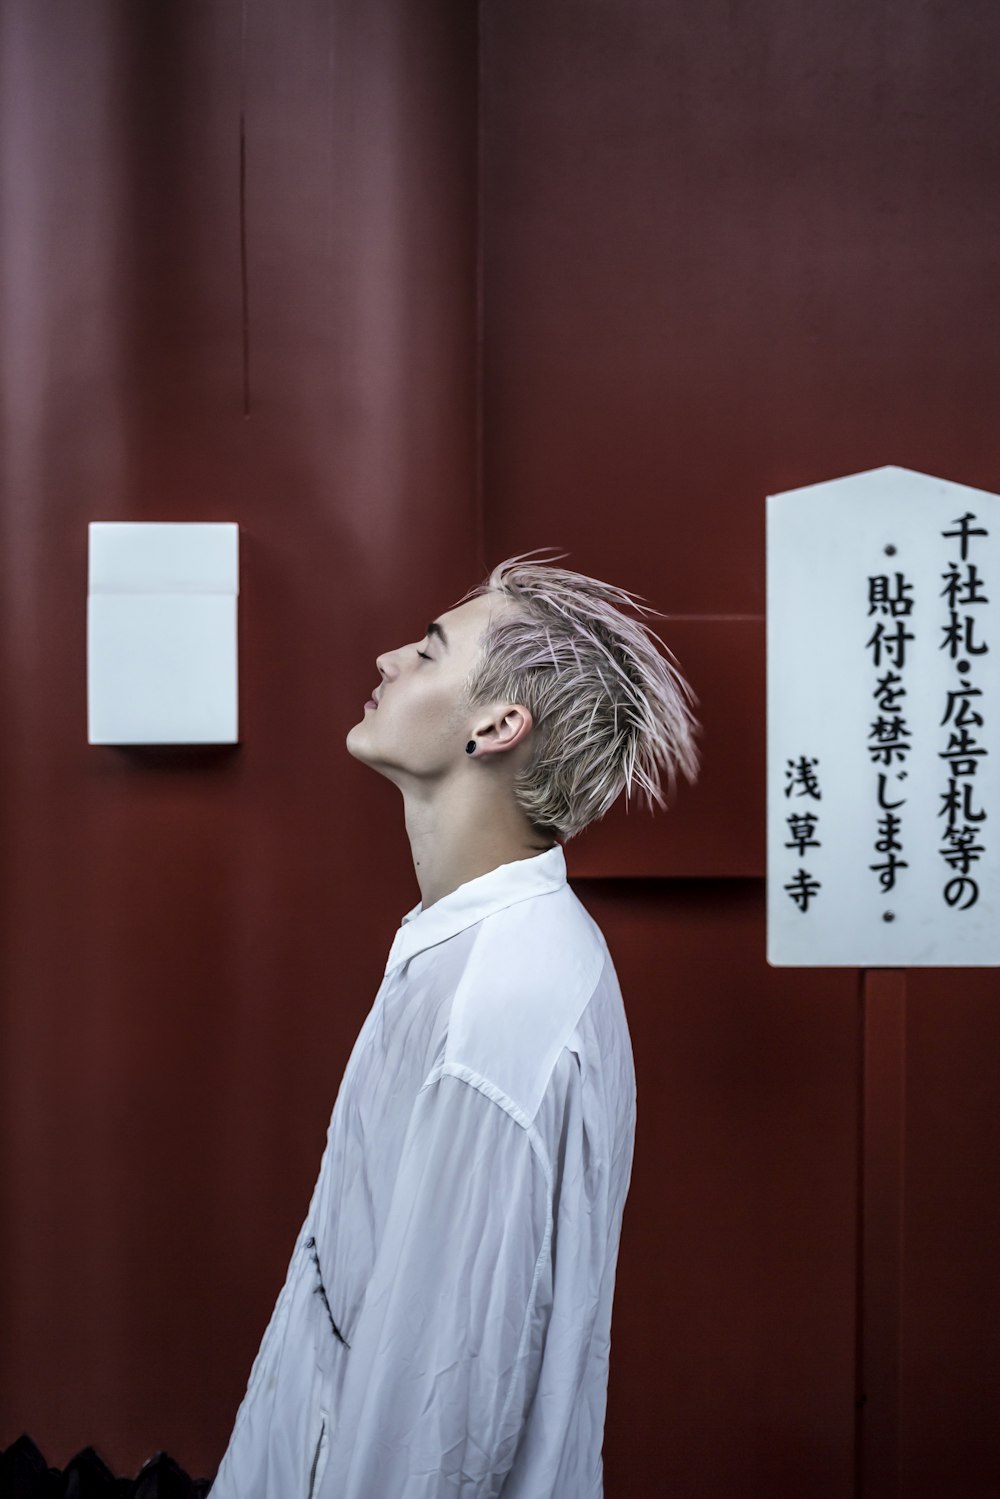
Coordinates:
883 711
162 632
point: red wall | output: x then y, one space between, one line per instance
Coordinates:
402 289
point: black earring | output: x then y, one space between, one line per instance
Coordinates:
470 748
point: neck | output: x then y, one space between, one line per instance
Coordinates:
453 844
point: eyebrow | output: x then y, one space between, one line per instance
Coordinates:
435 629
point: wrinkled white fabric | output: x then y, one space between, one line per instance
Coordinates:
465 1222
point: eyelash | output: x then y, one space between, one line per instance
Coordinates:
425 655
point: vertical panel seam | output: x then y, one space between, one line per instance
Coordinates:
879 1380
478 481
244 288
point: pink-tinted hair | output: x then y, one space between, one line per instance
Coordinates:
609 710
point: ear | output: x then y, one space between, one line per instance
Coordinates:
508 726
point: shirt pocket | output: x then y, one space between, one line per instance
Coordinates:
320 1455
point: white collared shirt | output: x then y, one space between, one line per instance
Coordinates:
445 1323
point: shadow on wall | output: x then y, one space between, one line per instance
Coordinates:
24 1474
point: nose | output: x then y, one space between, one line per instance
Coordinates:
387 665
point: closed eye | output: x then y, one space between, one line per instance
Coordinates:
425 655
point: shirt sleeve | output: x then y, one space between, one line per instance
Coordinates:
444 1357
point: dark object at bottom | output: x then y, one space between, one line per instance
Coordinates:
24 1474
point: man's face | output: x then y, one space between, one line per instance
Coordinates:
420 725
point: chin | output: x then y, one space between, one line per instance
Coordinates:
356 746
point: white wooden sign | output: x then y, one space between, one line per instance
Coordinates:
883 712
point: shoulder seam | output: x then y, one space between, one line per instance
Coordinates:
496 1095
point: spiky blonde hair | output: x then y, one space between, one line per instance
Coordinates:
609 710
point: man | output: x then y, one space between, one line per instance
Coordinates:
444 1326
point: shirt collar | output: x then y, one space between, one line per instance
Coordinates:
469 903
